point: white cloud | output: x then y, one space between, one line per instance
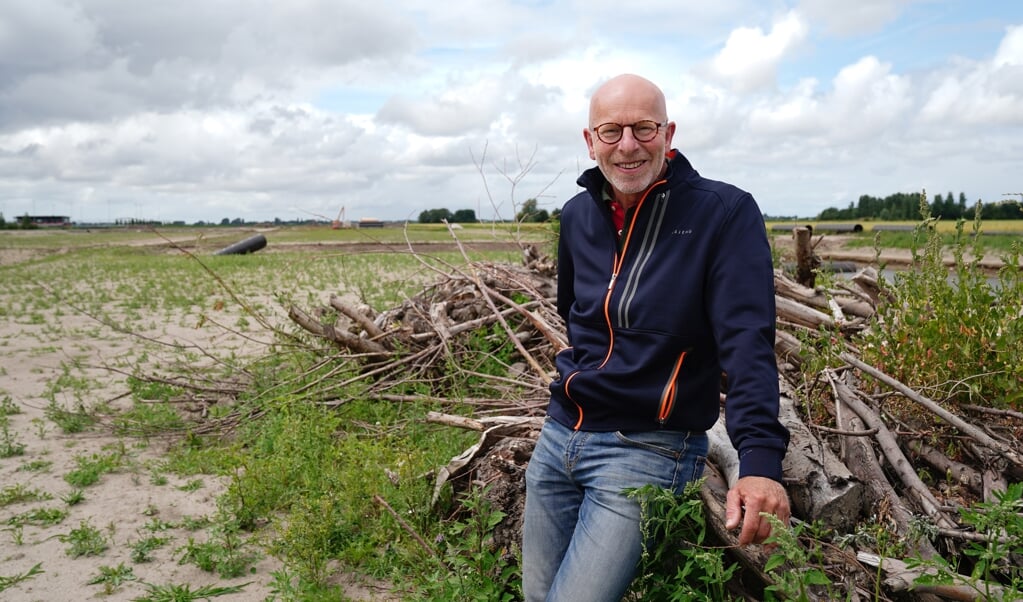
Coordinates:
750 58
975 93
262 109
1010 50
868 98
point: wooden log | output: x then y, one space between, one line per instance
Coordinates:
954 471
828 491
859 456
797 313
362 320
896 459
342 339
713 494
786 287
868 281
806 262
820 486
788 348
900 577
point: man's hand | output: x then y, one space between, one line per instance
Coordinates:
747 499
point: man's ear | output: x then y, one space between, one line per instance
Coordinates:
669 134
588 136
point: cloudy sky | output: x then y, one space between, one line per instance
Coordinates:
261 109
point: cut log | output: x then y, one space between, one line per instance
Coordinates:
820 486
956 472
797 313
806 262
829 491
786 287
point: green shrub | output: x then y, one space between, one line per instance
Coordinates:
955 333
678 562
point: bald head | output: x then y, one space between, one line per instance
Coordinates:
629 93
630 163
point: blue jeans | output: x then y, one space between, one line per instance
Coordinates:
581 538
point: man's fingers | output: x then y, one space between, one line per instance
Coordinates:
747 500
733 509
751 524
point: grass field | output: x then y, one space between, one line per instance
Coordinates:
223 235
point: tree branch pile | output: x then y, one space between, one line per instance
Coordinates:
856 459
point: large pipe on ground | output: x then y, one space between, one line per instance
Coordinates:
249 245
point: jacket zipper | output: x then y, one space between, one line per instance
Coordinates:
616 268
670 392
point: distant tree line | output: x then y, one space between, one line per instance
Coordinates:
528 212
437 216
906 206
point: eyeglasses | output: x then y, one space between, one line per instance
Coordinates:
642 131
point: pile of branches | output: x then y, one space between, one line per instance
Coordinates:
851 459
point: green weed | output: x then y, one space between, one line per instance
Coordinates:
113 578
193 485
9 444
36 466
155 525
91 468
17 493
8 407
990 565
797 572
73 497
224 552
86 540
185 593
8 582
955 332
69 421
678 563
194 523
473 568
39 516
142 549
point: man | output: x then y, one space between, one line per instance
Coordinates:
665 282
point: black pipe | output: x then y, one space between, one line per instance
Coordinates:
249 245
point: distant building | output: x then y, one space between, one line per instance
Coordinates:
49 221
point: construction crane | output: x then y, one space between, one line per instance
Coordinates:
339 222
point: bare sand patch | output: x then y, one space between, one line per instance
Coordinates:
124 502
136 501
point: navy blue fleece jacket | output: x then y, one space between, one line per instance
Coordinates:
655 318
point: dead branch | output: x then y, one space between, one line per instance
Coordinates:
996 447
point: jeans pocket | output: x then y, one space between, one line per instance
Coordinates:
670 444
698 465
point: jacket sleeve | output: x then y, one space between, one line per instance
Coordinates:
740 285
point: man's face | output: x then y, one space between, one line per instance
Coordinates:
629 165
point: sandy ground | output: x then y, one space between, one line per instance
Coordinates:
125 505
